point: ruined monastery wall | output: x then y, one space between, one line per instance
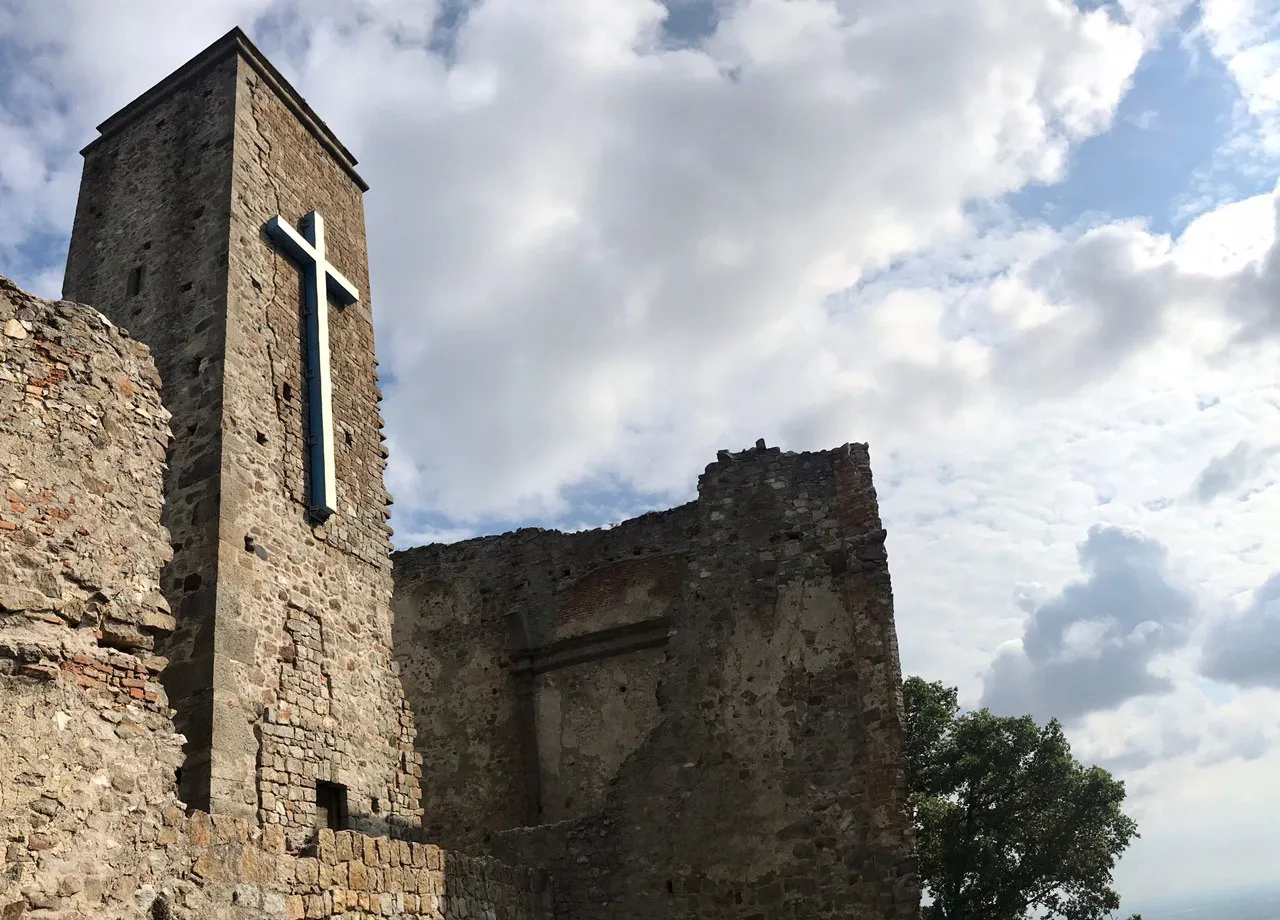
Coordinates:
89 813
84 723
703 705
509 648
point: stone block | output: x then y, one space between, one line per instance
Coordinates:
199 829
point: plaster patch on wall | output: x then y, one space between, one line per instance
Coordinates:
591 718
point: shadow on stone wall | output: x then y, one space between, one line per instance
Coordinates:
763 775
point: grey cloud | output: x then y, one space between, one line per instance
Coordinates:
1255 296
1173 742
1118 298
1089 648
1212 743
585 241
1250 745
1245 649
918 393
1230 471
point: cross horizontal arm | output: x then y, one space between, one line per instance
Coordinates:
342 291
291 241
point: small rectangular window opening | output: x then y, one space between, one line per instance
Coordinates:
331 806
134 287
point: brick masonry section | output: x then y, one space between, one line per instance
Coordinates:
613 585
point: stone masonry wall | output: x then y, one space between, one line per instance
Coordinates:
504 749
82 442
93 828
284 628
90 821
766 781
320 683
149 249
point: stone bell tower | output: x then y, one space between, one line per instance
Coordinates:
221 222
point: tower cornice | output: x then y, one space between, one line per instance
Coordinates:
234 42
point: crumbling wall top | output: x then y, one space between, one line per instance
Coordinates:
82 446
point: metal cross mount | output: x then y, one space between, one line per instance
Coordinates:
319 278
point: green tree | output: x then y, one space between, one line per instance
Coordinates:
1008 822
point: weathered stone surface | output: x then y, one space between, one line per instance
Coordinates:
89 810
699 710
465 612
281 670
79 563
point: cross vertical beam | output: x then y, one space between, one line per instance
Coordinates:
320 282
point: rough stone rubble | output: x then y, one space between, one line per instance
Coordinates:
90 821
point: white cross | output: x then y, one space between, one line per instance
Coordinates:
318 276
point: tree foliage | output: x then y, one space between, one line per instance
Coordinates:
1008 822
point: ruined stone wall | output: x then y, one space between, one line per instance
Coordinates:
82 442
766 780
350 875
590 718
90 818
90 834
93 828
284 628
149 249
532 660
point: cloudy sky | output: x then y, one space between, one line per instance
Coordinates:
1024 248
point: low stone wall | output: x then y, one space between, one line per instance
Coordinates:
94 829
353 875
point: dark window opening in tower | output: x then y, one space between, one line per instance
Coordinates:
331 806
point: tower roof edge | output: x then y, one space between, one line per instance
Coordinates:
235 42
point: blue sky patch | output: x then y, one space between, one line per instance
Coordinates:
1166 130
